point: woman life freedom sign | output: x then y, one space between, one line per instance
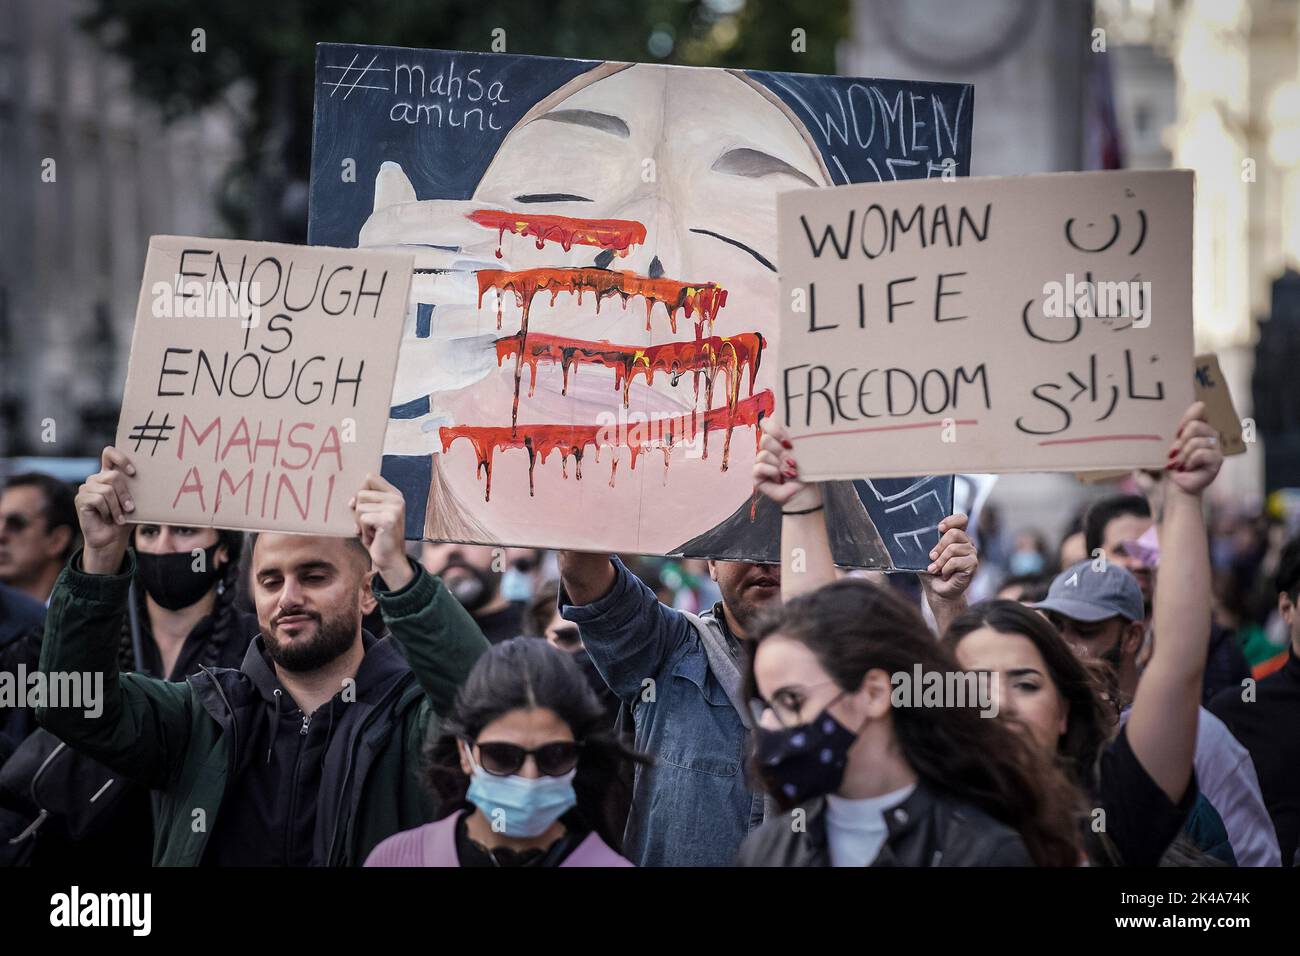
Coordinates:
260 377
1035 323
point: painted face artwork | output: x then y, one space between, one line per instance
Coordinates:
588 353
619 306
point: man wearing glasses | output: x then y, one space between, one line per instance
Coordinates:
38 530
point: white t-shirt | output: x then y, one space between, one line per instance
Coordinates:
856 830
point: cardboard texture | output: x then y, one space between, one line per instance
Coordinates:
1212 389
1036 323
258 387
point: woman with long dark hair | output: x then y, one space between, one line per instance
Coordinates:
1137 785
526 770
1067 707
1064 704
873 779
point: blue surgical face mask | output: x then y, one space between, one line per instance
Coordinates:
516 586
1027 562
521 806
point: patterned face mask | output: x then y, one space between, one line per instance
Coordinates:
798 763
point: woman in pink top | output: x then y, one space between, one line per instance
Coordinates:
526 767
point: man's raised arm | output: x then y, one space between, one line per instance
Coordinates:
441 640
626 631
807 562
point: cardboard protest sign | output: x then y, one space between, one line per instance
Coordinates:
1212 389
1036 323
258 387
1097 477
587 356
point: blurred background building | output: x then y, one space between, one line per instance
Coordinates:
88 171
1207 85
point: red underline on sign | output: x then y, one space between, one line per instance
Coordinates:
888 428
1080 441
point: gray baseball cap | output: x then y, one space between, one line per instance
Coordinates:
1086 593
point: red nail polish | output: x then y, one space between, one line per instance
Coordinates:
786 444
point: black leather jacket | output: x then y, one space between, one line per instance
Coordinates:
927 829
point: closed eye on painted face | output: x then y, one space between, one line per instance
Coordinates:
739 161
755 164
588 119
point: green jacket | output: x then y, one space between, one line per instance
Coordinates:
183 739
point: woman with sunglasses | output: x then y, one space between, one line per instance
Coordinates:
525 770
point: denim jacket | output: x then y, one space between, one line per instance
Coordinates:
693 807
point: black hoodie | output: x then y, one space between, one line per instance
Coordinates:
270 816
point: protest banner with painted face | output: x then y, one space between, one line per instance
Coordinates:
1035 323
587 356
258 386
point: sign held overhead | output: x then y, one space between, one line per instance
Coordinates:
259 382
1036 323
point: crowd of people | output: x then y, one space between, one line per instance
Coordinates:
1123 699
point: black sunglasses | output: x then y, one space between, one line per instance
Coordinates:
17 523
553 760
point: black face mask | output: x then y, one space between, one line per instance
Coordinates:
798 763
475 591
170 579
